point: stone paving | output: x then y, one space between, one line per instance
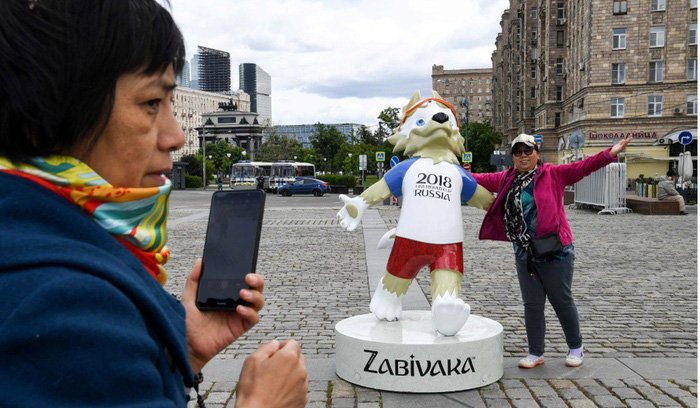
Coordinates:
635 285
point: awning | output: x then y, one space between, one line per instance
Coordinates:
673 137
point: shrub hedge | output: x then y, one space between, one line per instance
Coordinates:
347 180
193 181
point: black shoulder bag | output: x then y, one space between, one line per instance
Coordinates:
546 245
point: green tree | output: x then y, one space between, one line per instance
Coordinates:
366 136
194 167
223 155
328 141
482 140
278 147
388 121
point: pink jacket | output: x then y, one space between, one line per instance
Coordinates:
550 181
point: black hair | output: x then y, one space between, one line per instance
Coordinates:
670 173
59 65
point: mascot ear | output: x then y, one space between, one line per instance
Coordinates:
436 95
415 98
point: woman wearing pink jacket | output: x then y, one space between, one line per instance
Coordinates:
529 212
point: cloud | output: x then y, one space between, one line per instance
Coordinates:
338 52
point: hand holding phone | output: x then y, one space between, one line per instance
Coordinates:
230 248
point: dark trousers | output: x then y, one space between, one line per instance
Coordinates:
552 280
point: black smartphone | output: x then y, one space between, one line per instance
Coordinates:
230 248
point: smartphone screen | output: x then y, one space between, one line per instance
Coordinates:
230 248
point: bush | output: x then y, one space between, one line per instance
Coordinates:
347 180
193 181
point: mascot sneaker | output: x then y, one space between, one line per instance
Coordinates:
449 314
386 305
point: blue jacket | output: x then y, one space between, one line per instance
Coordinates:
82 324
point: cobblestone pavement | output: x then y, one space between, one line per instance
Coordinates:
635 284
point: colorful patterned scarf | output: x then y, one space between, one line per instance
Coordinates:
136 217
513 216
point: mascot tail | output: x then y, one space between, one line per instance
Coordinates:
387 240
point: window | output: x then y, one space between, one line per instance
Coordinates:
692 69
488 81
658 5
691 105
654 105
619 38
557 119
617 107
656 37
533 72
447 91
532 111
560 66
463 82
560 10
533 92
618 73
479 81
479 90
560 39
533 13
471 81
693 3
560 93
693 34
619 6
656 71
488 90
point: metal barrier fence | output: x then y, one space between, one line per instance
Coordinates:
604 188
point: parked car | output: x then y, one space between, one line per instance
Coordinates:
305 185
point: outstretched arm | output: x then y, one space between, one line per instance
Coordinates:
482 198
351 213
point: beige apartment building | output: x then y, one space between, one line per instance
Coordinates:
604 69
190 104
468 90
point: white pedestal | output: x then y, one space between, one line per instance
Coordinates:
410 356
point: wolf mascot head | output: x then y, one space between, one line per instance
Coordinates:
429 129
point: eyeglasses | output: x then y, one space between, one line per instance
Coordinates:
519 152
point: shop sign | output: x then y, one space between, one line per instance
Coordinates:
621 135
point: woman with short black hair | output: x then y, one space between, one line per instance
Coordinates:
86 132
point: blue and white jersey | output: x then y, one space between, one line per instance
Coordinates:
432 196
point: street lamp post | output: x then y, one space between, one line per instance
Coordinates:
465 104
204 159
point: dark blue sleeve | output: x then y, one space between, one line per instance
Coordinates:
394 177
78 341
468 184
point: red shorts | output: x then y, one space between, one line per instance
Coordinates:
409 256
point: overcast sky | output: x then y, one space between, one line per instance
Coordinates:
342 61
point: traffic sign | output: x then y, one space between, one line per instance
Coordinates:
538 138
467 157
467 166
363 162
393 161
685 137
379 156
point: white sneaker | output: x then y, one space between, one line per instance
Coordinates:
574 361
528 362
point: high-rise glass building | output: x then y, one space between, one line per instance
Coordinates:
257 83
183 78
194 72
214 70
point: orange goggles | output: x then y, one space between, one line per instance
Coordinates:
423 102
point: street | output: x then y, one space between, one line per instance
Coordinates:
635 285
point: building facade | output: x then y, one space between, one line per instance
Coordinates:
190 104
606 70
254 81
214 70
183 77
468 90
303 133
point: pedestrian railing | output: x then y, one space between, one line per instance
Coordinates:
604 188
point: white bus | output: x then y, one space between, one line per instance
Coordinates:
245 173
284 172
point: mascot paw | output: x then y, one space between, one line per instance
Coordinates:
449 315
385 305
387 240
